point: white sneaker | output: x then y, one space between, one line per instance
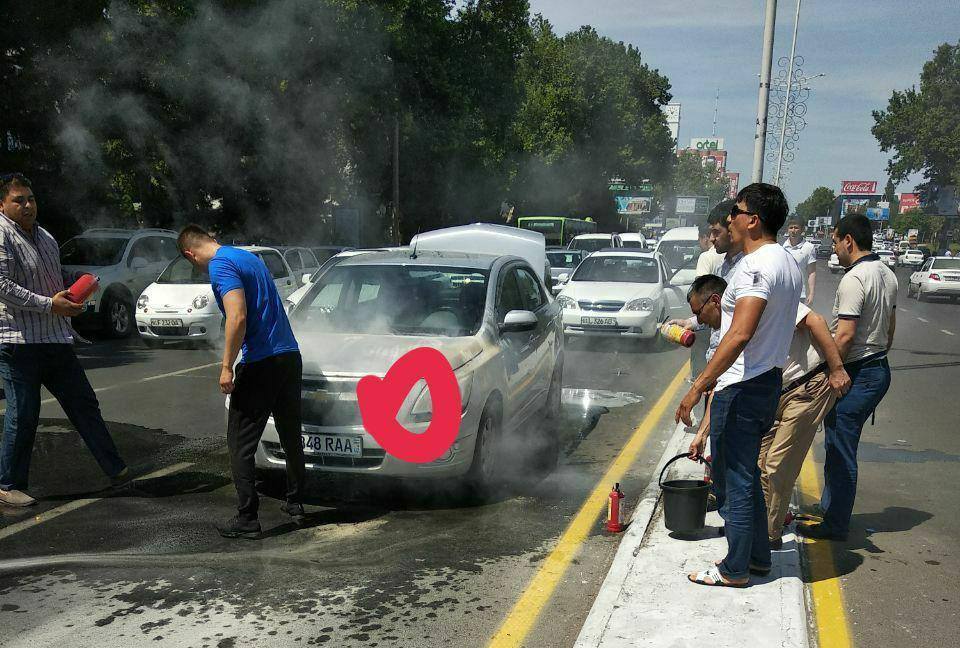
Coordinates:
16 498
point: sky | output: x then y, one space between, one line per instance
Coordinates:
866 48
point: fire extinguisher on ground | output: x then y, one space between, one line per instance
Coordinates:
615 510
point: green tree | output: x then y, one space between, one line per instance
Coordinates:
692 177
922 126
818 203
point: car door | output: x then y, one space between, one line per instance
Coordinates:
517 349
917 277
542 340
144 249
674 295
282 278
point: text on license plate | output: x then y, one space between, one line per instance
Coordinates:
599 321
332 444
166 322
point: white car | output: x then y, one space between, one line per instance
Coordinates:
938 277
635 240
913 258
491 317
562 263
622 294
834 264
887 257
180 307
298 294
302 262
679 248
125 262
590 243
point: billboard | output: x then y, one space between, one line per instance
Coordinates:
633 205
878 213
858 188
707 143
909 201
691 205
854 206
734 178
718 157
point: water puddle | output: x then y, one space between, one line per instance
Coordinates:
592 398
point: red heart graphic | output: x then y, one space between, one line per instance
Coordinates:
380 402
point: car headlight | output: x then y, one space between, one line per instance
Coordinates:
142 302
567 302
643 304
200 302
422 411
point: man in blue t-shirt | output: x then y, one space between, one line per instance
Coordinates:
267 379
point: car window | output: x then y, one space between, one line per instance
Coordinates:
181 271
529 290
167 248
93 251
308 260
619 269
274 264
509 297
293 258
946 264
144 248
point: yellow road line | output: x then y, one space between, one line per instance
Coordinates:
527 609
40 518
833 628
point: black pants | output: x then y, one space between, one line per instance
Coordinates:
268 386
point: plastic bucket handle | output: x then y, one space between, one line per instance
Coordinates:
679 456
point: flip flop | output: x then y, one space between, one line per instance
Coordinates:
715 577
756 571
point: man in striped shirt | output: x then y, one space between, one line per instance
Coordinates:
36 346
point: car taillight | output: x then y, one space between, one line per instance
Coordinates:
935 276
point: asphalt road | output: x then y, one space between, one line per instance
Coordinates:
380 563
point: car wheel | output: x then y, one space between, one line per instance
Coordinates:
547 452
485 469
118 316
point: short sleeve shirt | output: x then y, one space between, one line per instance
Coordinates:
805 255
868 294
709 262
268 329
771 274
803 356
726 268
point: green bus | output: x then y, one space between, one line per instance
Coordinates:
557 230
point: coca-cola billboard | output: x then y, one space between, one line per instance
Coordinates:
909 201
858 188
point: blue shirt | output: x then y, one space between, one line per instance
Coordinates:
268 329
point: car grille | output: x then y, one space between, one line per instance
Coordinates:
372 457
601 306
329 402
170 330
605 329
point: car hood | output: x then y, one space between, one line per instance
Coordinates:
176 295
610 291
357 354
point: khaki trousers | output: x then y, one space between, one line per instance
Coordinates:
782 451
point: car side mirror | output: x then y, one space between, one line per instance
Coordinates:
305 279
138 263
518 321
563 277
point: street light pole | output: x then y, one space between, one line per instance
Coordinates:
766 62
786 105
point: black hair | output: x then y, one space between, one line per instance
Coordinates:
860 230
706 285
191 235
703 229
718 215
768 203
9 180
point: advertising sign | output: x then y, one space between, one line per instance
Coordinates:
909 201
734 178
707 143
718 157
854 206
858 188
878 213
629 205
686 205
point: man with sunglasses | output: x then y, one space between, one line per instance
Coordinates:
758 314
36 346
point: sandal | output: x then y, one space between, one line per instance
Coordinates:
756 571
716 579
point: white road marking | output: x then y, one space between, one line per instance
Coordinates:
8 531
100 390
946 331
923 320
904 310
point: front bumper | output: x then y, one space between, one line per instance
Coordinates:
196 326
629 324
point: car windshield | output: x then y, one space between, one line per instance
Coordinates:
946 264
93 251
590 244
677 254
620 269
181 271
563 259
395 300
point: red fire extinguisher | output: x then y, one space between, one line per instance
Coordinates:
615 510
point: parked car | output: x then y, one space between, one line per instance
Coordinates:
563 262
125 262
592 242
621 293
937 277
679 249
635 240
489 314
180 307
912 257
302 262
298 294
324 252
834 264
887 257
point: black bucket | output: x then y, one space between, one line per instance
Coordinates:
684 501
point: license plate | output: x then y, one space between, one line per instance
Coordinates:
599 321
333 445
166 322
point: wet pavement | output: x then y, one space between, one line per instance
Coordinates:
377 563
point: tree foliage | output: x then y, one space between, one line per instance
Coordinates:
692 177
818 203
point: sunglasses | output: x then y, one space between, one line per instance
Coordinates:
736 211
696 313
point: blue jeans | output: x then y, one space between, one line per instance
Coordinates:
718 485
843 426
24 368
743 413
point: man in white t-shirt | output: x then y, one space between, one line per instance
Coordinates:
804 252
758 314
